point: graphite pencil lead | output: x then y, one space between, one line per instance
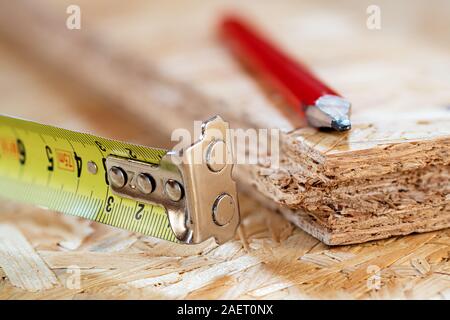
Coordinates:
330 111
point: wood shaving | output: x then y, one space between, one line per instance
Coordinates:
421 265
21 264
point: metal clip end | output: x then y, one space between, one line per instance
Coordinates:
211 193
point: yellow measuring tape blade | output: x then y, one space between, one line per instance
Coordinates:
65 171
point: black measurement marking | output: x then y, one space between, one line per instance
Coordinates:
120 215
146 218
51 161
100 146
131 153
138 215
106 171
22 152
128 214
152 224
109 204
78 185
79 162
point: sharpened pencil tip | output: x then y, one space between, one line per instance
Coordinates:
330 112
341 124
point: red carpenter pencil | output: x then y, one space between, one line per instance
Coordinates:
309 96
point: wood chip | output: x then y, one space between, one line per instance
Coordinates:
198 278
421 265
80 229
114 243
339 256
261 292
164 248
93 260
431 284
319 259
156 281
22 265
405 271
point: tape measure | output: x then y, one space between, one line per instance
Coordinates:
187 196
